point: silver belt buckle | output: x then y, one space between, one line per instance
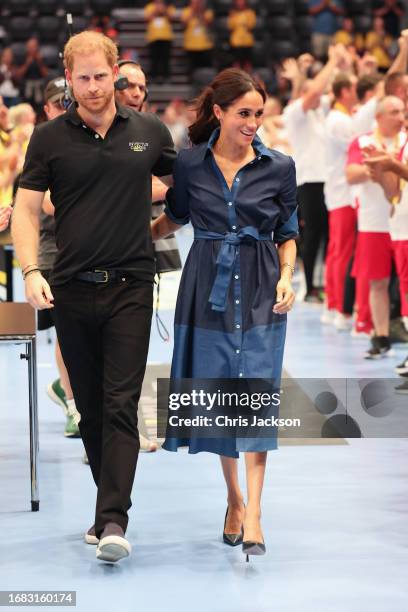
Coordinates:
105 278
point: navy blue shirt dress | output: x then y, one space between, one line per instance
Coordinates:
225 326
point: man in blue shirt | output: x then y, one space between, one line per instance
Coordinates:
326 15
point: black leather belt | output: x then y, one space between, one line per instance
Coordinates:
101 276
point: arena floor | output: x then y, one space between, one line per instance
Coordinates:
334 512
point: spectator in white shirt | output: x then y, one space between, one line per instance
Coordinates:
305 124
342 125
393 175
373 258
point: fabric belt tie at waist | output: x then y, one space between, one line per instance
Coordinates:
226 259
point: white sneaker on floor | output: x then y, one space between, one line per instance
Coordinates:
327 316
342 322
90 536
113 546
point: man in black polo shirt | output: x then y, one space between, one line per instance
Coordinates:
97 161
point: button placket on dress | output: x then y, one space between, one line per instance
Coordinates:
238 335
230 197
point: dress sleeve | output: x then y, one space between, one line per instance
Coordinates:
287 226
177 204
288 230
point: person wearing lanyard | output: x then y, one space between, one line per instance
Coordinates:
235 291
97 160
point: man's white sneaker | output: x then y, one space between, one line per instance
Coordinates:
90 536
327 316
113 546
342 322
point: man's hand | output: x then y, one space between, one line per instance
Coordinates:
376 174
345 58
285 296
290 69
5 214
377 159
337 53
403 41
38 292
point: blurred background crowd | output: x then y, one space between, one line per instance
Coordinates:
315 57
183 44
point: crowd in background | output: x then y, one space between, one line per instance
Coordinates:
332 22
322 103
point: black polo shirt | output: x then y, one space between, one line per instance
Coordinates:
101 189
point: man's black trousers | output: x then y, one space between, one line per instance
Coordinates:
315 229
104 331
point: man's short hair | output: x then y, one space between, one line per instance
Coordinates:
88 42
393 82
383 104
130 62
342 81
366 83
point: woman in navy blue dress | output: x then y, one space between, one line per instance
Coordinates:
235 291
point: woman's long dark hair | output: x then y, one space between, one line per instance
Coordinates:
228 86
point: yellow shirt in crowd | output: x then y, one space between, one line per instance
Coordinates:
159 28
375 44
196 35
346 39
241 23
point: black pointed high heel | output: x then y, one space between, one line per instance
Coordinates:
232 539
253 548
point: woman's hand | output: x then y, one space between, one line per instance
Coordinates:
285 296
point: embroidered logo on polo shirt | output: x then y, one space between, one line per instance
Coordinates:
138 146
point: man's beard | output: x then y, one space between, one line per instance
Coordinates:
88 105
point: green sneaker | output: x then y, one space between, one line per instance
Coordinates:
57 394
71 426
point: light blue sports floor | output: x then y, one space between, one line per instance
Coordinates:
334 513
